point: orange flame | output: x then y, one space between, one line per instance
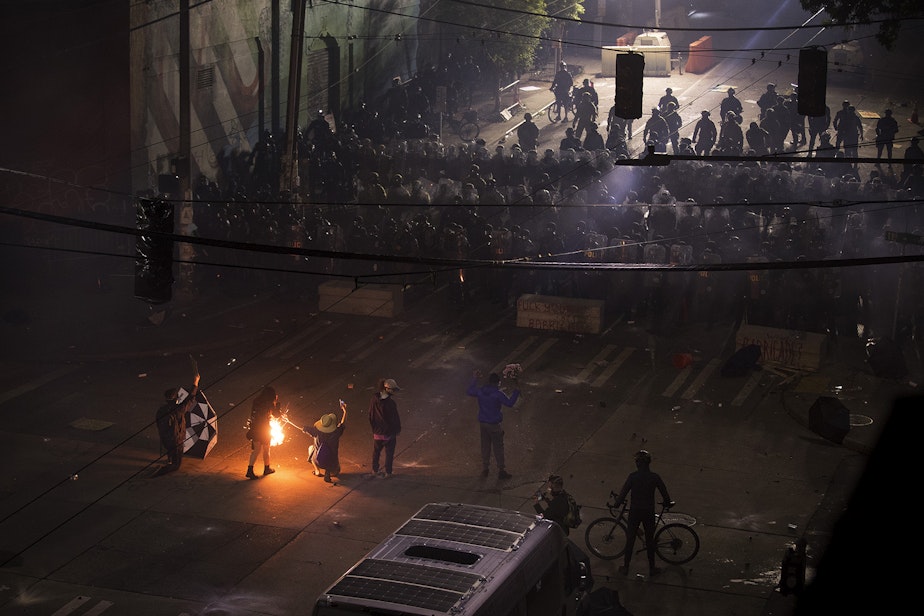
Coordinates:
277 432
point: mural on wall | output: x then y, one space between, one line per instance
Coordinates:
224 74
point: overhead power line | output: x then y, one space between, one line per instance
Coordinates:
540 262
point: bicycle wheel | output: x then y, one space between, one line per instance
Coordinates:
468 131
676 543
606 538
554 112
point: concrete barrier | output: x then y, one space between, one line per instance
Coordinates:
374 300
567 314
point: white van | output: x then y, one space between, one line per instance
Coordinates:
465 560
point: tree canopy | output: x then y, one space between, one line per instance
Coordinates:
865 11
507 31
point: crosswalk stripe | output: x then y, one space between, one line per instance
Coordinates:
701 378
474 336
677 382
545 346
747 389
590 367
427 358
514 355
613 367
99 608
72 605
294 342
36 383
372 348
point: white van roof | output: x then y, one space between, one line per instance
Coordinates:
445 558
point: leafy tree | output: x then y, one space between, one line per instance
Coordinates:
503 35
863 11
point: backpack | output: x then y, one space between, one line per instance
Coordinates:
573 517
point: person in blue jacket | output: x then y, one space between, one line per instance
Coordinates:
490 417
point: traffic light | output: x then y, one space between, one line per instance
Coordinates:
792 569
630 69
153 254
813 80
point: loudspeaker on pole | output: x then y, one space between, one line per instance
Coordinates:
630 72
813 81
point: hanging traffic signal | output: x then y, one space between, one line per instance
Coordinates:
630 69
154 254
792 569
813 80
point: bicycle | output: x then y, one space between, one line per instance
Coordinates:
561 108
675 542
466 127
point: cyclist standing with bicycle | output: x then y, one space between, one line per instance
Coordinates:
642 483
561 86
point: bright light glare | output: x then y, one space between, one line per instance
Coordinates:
277 431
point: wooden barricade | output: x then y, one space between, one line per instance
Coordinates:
785 347
567 314
374 300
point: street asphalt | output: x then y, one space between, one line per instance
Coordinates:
272 545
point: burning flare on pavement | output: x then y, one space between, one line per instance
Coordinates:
277 431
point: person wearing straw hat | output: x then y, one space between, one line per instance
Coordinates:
325 453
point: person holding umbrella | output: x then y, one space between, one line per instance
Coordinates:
171 423
326 455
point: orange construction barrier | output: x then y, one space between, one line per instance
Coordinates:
626 39
700 58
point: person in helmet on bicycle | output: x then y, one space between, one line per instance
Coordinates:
642 483
562 84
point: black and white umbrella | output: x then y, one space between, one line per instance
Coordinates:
201 428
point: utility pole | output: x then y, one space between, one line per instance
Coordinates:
290 179
274 69
261 85
187 253
183 165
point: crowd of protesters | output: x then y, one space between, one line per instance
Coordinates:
417 197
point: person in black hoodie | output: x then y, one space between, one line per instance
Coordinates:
386 426
556 499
